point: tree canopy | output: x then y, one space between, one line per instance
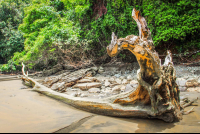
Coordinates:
49 31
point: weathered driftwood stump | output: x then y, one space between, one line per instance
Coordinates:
157 85
157 95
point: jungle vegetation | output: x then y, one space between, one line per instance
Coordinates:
44 33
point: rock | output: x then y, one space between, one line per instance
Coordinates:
119 81
68 67
182 89
112 79
112 85
124 81
94 90
192 83
197 72
101 96
198 81
192 89
116 88
74 89
85 81
107 83
24 87
117 75
130 87
61 85
122 77
55 86
123 88
94 79
133 82
181 82
74 94
86 86
83 95
129 77
108 88
101 70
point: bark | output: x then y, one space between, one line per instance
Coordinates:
157 85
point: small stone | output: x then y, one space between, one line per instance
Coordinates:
55 86
129 77
61 85
108 88
112 79
107 83
116 88
103 87
182 89
101 70
119 81
74 94
122 77
123 88
133 82
84 95
117 75
85 81
181 82
86 86
101 96
94 90
23 87
129 87
124 81
74 89
192 89
192 83
198 81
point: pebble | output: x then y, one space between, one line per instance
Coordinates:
23 87
124 81
183 89
192 89
116 88
129 77
107 83
133 82
123 88
94 90
181 82
117 75
119 81
84 95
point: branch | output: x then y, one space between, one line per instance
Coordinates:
144 31
23 72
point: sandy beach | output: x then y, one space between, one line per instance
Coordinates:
23 110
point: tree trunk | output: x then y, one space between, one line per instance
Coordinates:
157 85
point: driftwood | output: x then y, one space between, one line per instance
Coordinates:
157 95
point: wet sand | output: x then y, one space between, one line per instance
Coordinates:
22 110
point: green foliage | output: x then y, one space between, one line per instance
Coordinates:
85 26
11 40
10 66
174 22
44 28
